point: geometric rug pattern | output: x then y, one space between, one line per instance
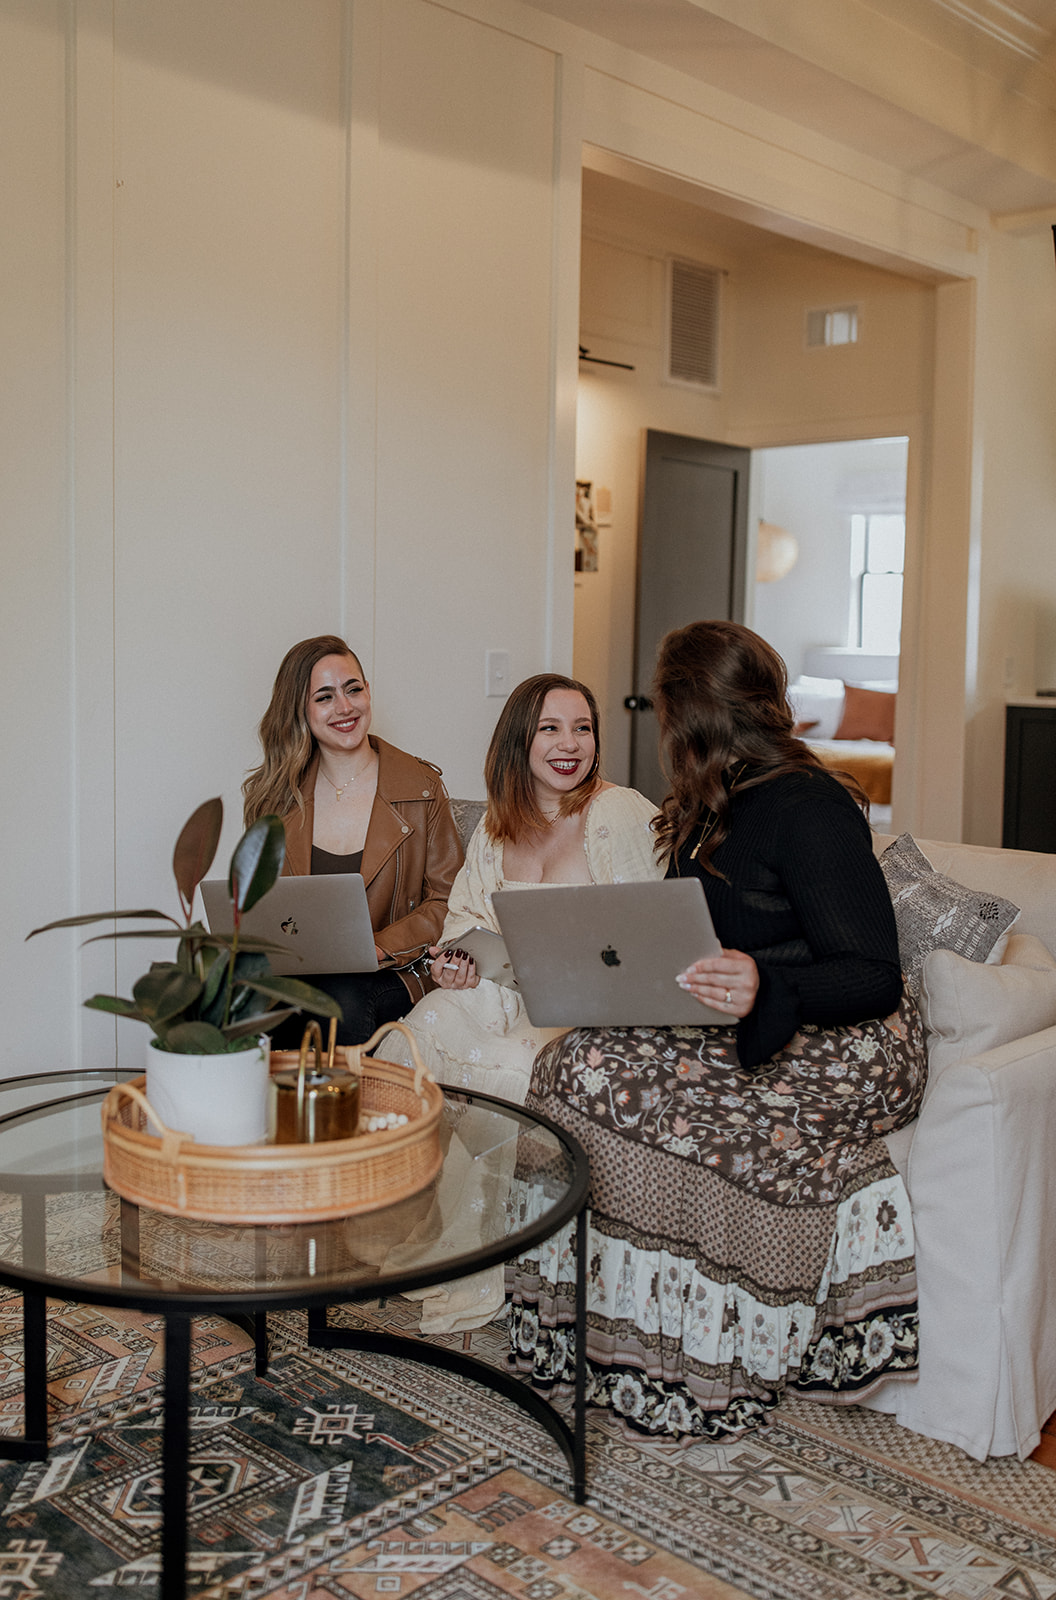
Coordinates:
345 1474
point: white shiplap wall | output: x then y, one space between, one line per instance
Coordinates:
288 305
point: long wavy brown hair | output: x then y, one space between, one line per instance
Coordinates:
287 740
721 696
512 809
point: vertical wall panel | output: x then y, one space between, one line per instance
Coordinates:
228 369
464 363
39 694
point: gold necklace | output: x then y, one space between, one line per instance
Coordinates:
705 833
730 777
340 791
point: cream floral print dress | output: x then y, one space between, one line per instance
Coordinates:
481 1038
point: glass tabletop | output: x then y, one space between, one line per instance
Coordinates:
508 1180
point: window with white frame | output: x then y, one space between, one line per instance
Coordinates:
878 546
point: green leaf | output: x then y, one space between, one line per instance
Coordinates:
248 1003
195 1039
165 994
246 966
250 964
257 862
196 847
217 968
116 1006
197 937
196 933
246 943
135 933
295 993
109 916
254 1024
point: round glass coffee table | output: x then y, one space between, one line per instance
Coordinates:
509 1180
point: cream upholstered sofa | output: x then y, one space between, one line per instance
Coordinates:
980 1166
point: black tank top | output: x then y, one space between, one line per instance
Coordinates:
323 861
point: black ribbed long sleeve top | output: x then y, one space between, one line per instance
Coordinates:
803 894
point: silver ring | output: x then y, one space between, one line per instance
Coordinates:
729 996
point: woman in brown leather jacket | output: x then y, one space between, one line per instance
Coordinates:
352 803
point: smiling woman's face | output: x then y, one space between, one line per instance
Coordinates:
562 752
338 704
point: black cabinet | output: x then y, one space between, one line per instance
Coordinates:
1030 776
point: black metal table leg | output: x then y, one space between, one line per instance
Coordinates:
260 1318
260 1342
129 1241
35 1360
255 1323
573 1441
175 1453
33 1446
579 1402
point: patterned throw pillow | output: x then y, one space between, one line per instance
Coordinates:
467 813
932 912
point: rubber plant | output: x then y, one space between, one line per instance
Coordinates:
219 993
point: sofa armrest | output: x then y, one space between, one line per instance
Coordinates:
982 1180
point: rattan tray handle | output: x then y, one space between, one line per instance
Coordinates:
355 1052
172 1140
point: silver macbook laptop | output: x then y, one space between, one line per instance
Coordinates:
323 922
608 954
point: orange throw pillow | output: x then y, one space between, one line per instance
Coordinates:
867 714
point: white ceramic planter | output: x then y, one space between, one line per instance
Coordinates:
216 1099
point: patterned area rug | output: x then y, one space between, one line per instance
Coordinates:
347 1475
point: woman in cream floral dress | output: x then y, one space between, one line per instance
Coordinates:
550 820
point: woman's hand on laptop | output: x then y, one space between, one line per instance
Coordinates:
453 969
728 982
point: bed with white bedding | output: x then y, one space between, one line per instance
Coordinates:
846 714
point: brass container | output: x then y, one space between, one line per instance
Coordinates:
309 1105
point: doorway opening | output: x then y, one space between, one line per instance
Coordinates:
835 613
772 388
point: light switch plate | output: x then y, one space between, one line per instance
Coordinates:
496 673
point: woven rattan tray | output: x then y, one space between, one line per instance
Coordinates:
256 1183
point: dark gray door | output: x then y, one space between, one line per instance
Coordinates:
691 564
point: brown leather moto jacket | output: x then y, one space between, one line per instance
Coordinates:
411 855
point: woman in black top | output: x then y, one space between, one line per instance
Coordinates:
781 847
748 1232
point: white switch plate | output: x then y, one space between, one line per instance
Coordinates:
496 672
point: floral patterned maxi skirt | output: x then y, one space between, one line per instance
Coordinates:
747 1231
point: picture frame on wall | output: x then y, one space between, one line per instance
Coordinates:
586 527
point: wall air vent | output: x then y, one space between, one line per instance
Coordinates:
693 324
836 325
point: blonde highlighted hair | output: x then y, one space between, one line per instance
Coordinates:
287 740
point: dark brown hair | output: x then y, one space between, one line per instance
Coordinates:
275 786
512 809
721 696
